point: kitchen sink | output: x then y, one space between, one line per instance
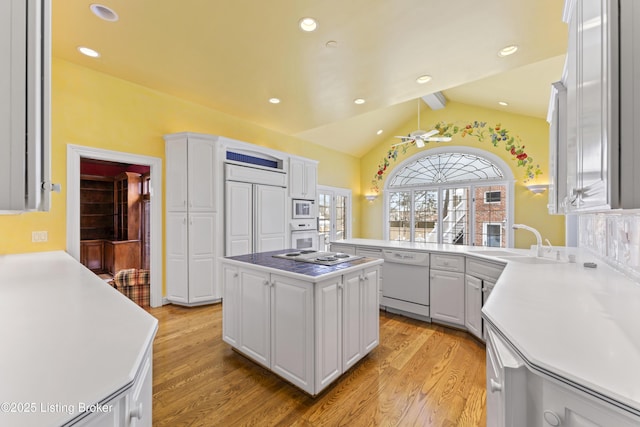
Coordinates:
531 260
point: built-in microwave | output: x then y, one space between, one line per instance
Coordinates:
304 209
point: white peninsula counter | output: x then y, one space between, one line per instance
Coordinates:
307 323
75 351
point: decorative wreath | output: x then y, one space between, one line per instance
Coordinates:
477 130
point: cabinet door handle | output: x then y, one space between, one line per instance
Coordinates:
495 386
235 274
340 286
552 418
136 412
266 282
485 290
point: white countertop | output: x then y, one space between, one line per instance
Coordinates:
580 325
68 338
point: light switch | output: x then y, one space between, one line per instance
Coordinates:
39 236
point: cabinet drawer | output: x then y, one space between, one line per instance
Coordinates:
447 262
347 249
484 269
369 252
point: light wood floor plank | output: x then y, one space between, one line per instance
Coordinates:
421 374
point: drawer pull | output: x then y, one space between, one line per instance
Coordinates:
136 412
552 418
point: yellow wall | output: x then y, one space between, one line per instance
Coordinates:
95 110
529 209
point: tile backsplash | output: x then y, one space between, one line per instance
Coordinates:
613 236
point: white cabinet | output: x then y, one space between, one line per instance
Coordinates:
473 305
565 407
602 99
307 333
347 249
303 179
480 278
506 385
447 289
328 321
557 119
25 39
192 222
132 408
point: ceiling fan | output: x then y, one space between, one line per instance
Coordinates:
421 136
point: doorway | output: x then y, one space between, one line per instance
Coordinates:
334 215
154 227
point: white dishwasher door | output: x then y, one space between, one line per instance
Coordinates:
406 276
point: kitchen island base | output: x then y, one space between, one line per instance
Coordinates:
309 330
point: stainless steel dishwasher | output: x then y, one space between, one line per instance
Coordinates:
406 282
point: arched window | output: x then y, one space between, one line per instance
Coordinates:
451 195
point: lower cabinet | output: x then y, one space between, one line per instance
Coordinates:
517 396
447 296
92 255
473 305
129 409
307 333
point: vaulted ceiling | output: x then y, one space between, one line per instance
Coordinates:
234 55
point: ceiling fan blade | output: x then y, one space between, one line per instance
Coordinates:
430 133
439 139
419 142
403 137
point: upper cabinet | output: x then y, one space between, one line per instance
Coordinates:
303 178
601 99
25 104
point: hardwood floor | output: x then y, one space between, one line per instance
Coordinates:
420 375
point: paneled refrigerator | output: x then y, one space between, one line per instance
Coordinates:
255 215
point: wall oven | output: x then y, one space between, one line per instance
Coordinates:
303 209
304 235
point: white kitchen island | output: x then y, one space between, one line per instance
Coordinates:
75 351
307 323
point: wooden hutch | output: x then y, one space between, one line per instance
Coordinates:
110 215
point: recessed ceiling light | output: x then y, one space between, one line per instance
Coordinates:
504 104
379 132
88 52
104 12
274 100
308 24
423 79
359 101
508 50
332 44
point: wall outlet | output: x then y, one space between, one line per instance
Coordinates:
39 236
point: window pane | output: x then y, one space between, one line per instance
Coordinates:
455 216
400 216
341 214
426 216
491 217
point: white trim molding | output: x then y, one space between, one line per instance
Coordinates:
74 154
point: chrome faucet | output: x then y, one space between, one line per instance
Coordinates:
537 234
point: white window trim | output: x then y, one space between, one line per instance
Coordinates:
508 181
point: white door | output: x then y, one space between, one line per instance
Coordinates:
334 215
238 218
201 175
270 218
202 256
292 349
255 325
473 305
351 320
370 310
177 257
328 319
230 314
176 193
447 296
